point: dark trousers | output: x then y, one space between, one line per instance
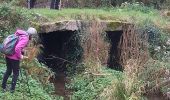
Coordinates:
12 66
55 4
30 3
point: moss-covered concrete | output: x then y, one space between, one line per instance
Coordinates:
73 25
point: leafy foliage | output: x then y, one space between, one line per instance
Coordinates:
27 88
12 18
88 87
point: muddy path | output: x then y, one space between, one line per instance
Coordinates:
59 82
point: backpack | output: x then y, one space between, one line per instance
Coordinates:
8 45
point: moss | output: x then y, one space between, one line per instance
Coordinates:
113 25
36 25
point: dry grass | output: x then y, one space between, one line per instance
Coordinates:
131 80
95 49
133 53
108 93
156 78
32 67
133 45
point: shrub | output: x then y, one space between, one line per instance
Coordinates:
12 18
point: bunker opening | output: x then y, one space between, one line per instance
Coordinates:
61 52
113 57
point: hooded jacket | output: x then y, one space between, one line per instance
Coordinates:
21 44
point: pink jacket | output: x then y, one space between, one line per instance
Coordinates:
22 43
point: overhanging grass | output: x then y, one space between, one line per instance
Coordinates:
105 14
66 14
118 14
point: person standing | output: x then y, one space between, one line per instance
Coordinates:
31 3
13 61
55 4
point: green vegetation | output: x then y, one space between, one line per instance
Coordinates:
103 14
12 18
27 88
133 13
88 86
105 84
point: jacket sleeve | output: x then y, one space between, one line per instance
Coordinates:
22 43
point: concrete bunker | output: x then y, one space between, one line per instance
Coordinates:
60 48
82 39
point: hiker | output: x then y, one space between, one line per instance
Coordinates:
55 4
31 3
13 61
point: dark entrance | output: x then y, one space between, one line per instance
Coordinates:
60 49
113 60
61 52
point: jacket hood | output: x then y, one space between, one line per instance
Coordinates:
21 32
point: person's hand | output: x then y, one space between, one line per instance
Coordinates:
24 57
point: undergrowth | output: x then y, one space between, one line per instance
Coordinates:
27 88
33 82
12 18
87 86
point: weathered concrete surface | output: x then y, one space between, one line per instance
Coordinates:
110 25
73 25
